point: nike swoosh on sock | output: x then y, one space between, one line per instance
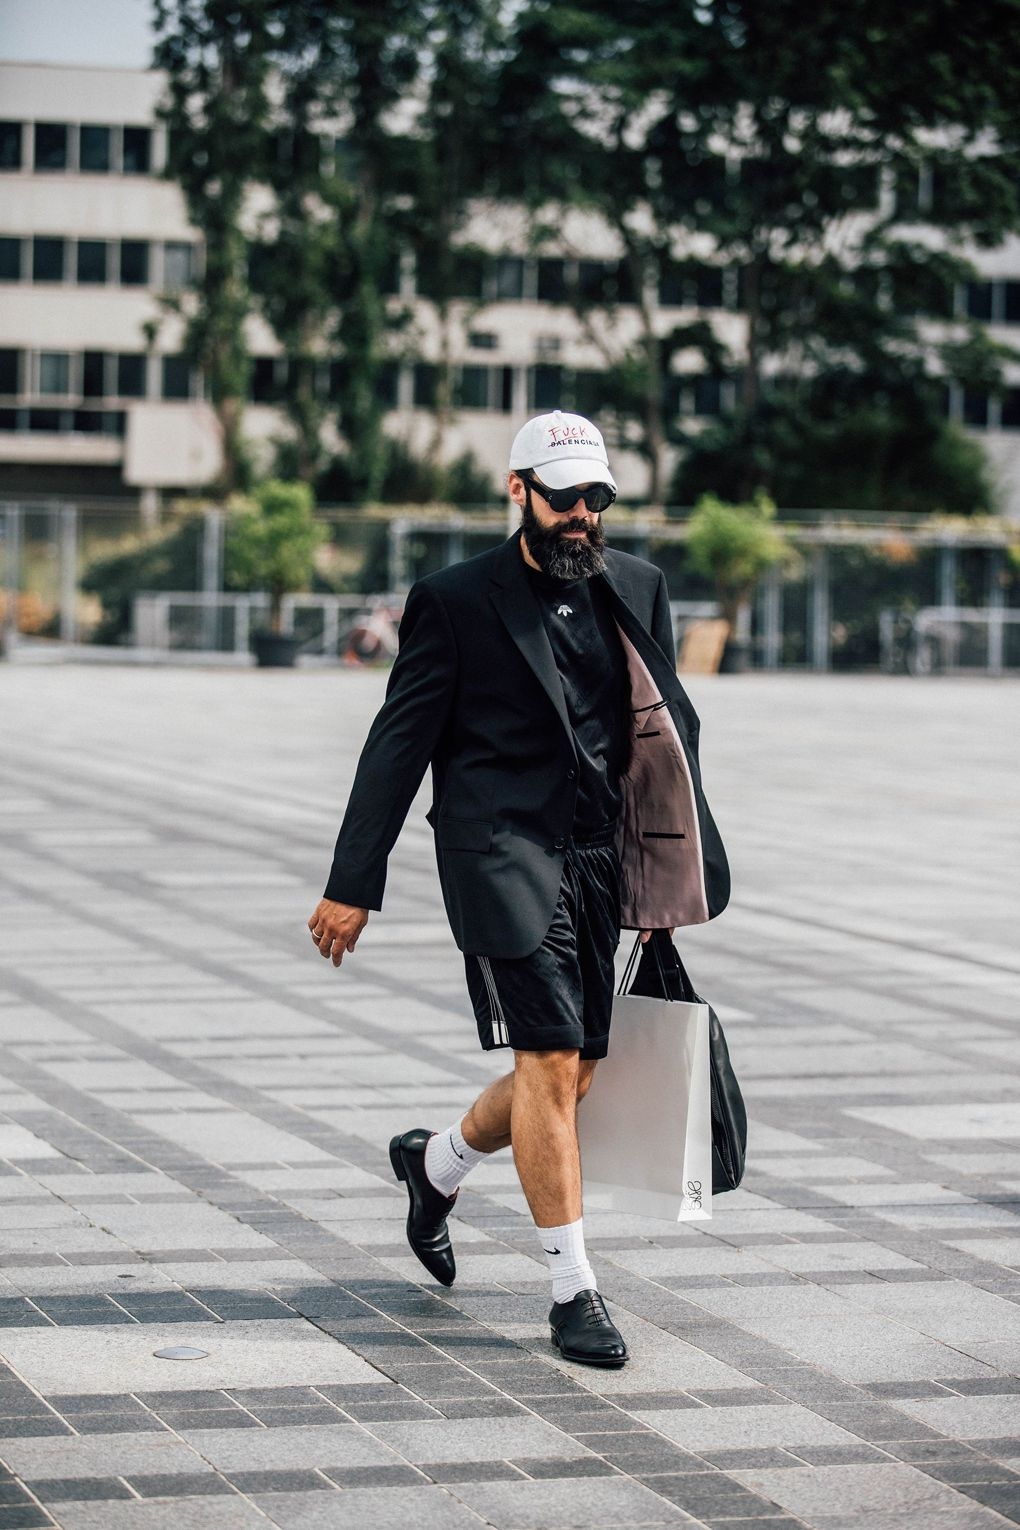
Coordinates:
453 1145
550 1250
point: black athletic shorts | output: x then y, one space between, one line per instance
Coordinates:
561 996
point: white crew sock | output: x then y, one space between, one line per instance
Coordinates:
448 1159
568 1263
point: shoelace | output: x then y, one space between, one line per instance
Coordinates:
596 1314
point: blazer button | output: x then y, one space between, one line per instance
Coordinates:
571 775
559 844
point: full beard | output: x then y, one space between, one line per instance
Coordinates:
561 557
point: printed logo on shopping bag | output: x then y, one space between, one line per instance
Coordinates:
692 1196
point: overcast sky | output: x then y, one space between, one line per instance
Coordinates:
76 32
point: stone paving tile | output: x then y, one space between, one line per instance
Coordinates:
305 1446
427 1507
476 1439
195 1132
100 1456
240 1354
549 1505
711 1428
215 1513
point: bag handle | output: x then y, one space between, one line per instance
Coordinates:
631 967
688 993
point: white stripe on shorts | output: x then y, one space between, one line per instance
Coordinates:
500 1033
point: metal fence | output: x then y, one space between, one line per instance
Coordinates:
855 593
943 640
356 628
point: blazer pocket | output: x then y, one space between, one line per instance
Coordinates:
464 834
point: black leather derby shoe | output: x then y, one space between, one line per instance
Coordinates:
582 1330
427 1232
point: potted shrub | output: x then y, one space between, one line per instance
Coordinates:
270 545
733 545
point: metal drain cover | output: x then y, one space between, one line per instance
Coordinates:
181 1352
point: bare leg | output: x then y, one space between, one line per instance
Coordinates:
535 1108
486 1126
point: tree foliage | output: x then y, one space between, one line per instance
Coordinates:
794 157
271 540
217 56
733 545
803 146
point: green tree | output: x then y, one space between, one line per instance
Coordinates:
296 249
806 147
450 152
216 55
271 540
733 545
371 50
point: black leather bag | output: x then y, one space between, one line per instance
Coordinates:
662 975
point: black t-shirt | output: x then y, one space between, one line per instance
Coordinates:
593 672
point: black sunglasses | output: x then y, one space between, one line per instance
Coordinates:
597 497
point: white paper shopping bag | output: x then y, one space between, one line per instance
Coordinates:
645 1126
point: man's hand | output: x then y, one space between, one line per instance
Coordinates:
335 928
646 935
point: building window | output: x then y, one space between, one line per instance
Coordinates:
691 286
591 281
979 300
466 277
590 393
10 260
9 373
51 145
508 278
134 262
93 374
94 148
547 384
48 421
708 287
1009 410
552 281
707 395
1011 303
483 340
92 261
131 375
176 377
473 388
178 266
48 260
137 150
425 378
54 373
87 422
10 145
975 409
267 379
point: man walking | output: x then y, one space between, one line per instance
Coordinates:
539 682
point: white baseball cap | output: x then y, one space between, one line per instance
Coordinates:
563 449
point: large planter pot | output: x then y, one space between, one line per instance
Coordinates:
275 650
736 658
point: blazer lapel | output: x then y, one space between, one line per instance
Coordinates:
649 650
518 609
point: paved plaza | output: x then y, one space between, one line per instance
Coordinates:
195 1111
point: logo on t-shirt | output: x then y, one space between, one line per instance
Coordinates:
564 610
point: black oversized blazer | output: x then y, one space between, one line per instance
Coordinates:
475 692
